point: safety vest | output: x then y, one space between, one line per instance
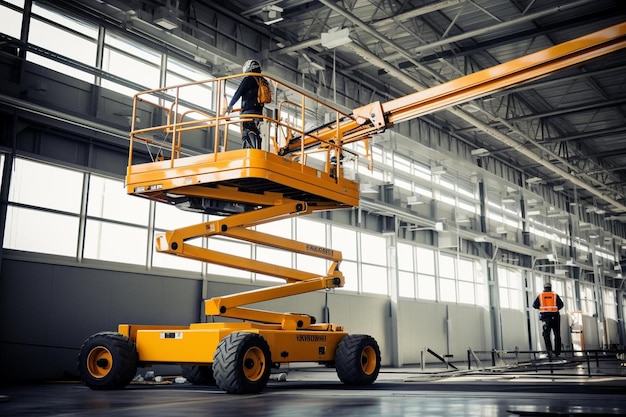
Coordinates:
547 302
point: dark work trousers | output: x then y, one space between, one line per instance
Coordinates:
552 323
250 135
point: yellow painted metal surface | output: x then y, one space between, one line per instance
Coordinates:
197 344
515 72
130 330
271 293
237 169
158 346
302 346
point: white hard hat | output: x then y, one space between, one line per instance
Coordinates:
252 65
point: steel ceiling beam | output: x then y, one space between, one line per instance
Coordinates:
492 28
411 14
568 110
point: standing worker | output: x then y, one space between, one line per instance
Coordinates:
549 303
248 92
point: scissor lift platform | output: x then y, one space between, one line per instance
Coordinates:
231 175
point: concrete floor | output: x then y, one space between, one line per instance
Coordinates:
316 392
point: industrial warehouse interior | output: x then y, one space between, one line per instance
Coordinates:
380 246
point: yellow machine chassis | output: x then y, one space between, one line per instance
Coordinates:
197 343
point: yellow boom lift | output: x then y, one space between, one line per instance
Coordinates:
244 188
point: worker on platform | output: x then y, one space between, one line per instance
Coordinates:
549 303
248 92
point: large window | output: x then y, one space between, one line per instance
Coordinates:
65 36
44 207
115 242
40 231
374 263
447 274
345 240
569 296
374 279
426 283
46 186
511 288
130 62
200 95
587 299
108 200
11 20
406 271
117 223
609 303
467 290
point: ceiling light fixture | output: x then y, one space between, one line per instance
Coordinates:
479 152
415 199
271 14
533 180
438 170
165 18
367 188
336 37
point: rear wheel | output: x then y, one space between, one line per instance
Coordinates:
198 374
357 359
242 363
107 360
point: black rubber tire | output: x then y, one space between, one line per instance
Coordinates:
107 361
242 363
198 374
357 359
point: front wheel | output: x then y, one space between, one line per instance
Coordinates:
107 360
242 363
357 359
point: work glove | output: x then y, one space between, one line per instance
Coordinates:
229 109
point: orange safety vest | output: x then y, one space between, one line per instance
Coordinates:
547 302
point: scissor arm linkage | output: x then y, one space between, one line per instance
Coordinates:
237 226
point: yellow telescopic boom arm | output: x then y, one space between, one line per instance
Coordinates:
376 116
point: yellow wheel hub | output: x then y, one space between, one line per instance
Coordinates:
99 362
254 364
368 360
